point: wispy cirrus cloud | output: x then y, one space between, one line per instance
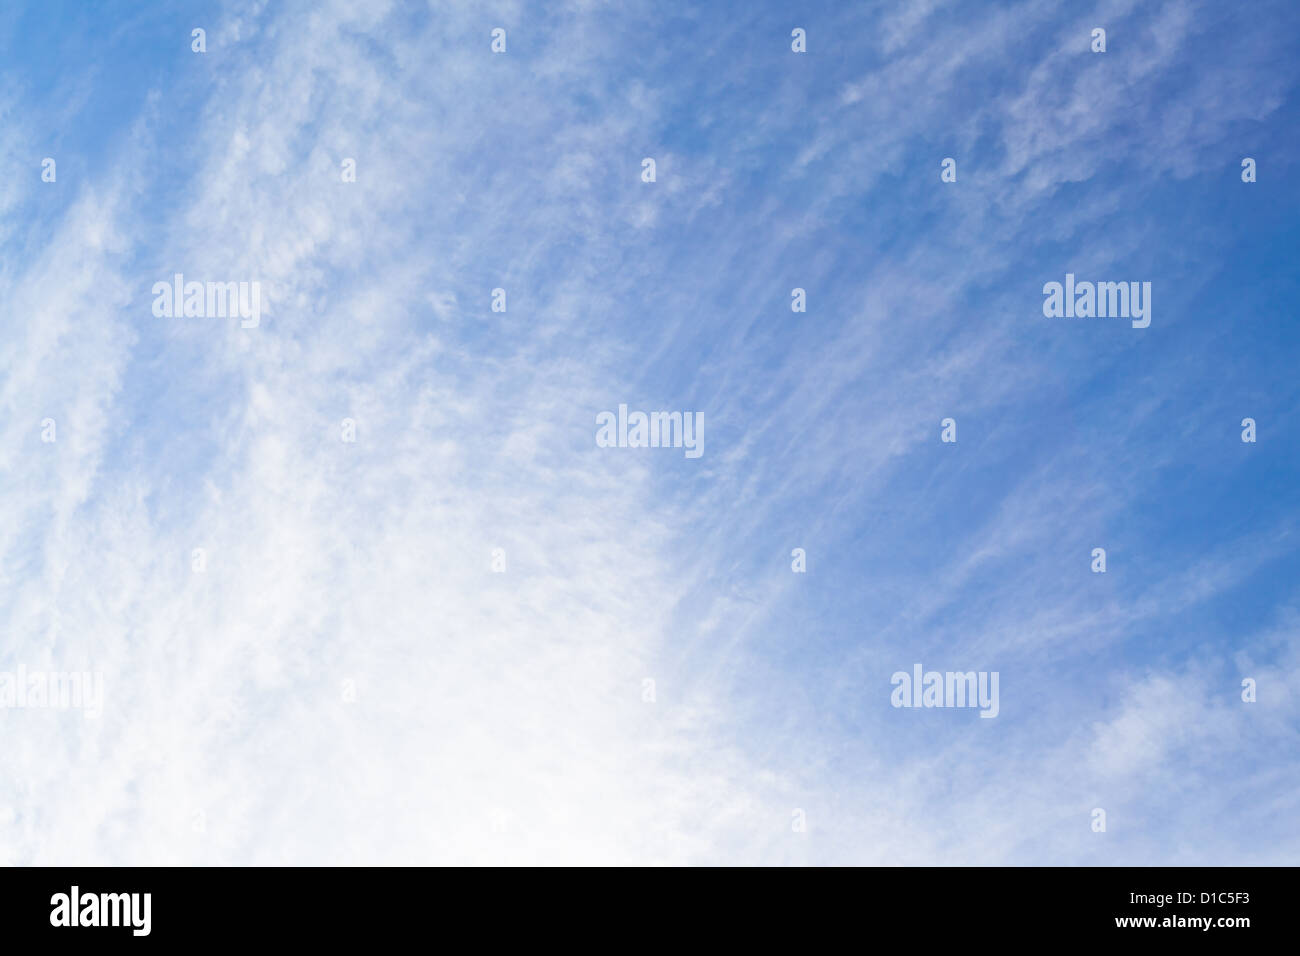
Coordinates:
347 679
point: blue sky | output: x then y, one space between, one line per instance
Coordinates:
499 717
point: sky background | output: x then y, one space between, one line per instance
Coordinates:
498 717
